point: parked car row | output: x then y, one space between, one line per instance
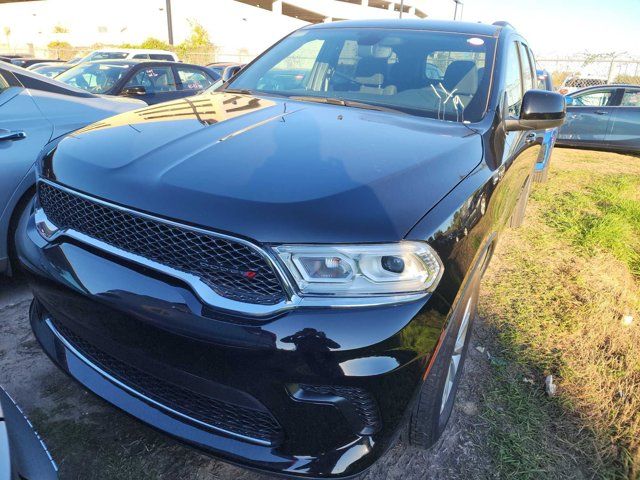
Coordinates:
284 270
35 111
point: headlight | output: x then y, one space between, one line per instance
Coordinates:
362 270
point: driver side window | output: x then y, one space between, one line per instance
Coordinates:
154 80
3 84
513 82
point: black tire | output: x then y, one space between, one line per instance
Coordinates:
430 413
517 217
23 204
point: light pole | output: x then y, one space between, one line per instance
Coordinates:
169 23
401 7
455 13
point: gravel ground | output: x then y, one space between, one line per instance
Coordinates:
90 439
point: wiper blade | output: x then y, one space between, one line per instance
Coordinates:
242 91
330 100
345 103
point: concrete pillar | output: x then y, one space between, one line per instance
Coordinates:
365 3
392 6
412 11
276 7
328 20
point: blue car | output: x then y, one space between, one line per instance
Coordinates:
284 271
36 111
604 117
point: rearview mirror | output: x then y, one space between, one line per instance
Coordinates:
540 110
133 91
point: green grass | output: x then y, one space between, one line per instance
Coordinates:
524 427
603 216
555 295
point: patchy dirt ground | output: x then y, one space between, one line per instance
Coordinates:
90 439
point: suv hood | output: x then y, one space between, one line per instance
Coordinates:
274 170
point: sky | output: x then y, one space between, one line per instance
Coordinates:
552 27
555 27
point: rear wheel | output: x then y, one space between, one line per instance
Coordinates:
21 208
437 395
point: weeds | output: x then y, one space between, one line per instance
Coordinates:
557 292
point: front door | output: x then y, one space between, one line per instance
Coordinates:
588 116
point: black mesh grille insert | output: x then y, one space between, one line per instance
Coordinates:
232 418
364 404
232 269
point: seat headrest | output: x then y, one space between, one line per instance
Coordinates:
461 75
376 51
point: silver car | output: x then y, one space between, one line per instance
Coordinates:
36 112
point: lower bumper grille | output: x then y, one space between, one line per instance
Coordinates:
364 404
247 423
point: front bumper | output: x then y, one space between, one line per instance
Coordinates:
310 392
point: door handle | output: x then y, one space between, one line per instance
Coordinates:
601 112
530 138
9 135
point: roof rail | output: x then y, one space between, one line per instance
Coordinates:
502 23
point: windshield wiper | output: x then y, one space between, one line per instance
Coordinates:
241 91
344 103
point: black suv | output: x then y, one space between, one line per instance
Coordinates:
284 271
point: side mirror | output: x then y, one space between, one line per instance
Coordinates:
540 110
133 91
569 100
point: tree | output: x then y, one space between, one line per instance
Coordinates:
197 44
155 44
60 29
61 50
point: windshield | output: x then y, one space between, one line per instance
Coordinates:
105 56
94 77
51 71
432 74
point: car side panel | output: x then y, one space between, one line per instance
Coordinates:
624 129
18 113
585 125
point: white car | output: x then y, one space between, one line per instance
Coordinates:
572 84
128 54
35 112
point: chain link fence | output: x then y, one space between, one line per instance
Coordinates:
198 57
614 68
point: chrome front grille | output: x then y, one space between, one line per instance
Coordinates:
232 269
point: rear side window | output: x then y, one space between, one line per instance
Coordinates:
513 81
3 84
141 56
160 56
527 68
597 98
193 79
154 80
631 98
